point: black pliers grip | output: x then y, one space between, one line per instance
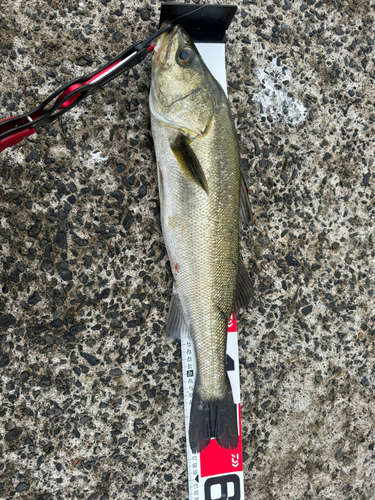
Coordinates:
16 128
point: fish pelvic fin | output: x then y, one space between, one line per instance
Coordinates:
188 161
177 326
244 290
213 419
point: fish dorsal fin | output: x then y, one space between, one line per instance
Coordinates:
246 215
188 162
244 290
177 327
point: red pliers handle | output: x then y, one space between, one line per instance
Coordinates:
16 128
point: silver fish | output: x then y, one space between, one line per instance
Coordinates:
203 198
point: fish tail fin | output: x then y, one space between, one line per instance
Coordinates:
215 418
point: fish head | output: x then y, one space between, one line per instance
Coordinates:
182 90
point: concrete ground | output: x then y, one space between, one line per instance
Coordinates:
91 400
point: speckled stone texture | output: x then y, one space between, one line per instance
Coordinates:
91 400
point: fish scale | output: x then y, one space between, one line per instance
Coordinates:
221 270
208 280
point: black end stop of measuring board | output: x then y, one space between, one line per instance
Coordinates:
206 24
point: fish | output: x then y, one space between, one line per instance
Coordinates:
203 201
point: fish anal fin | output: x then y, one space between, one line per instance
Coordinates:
246 215
188 161
176 326
244 290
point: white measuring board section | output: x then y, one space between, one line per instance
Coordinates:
215 473
213 55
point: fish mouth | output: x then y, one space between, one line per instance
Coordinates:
163 47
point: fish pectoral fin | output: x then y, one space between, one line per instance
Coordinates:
188 162
246 215
177 327
244 290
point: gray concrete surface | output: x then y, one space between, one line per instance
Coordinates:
91 393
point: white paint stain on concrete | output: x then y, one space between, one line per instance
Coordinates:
98 155
273 99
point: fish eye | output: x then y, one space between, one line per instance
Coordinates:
185 56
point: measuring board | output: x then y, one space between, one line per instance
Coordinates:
215 473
